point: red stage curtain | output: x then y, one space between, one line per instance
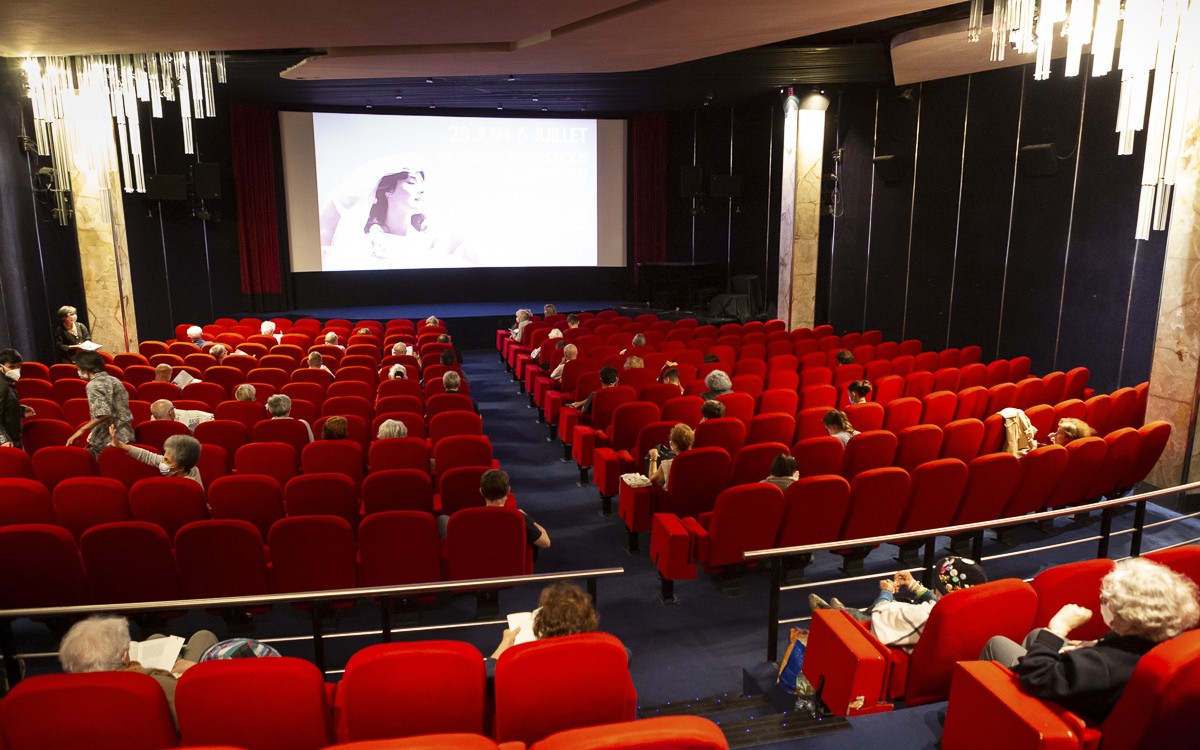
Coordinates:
253 136
648 145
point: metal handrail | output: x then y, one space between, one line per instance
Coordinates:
965 527
776 555
384 594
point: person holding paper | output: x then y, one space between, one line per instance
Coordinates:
165 410
108 405
102 644
563 609
70 334
195 335
12 411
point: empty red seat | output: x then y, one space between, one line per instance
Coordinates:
229 434
1000 396
312 553
117 464
771 428
277 460
814 512
1084 459
101 710
971 403
866 416
348 405
399 547
444 402
84 502
991 480
918 384
485 543
168 502
461 450
322 494
917 444
877 503
936 492
453 423
343 457
293 432
254 498
53 464
257 704
16 464
130 561
901 413
221 558
818 455
248 413
25 501
726 433
961 439
1122 451
399 453
42 568
868 450
1154 440
938 407
537 697
753 463
1041 470
621 434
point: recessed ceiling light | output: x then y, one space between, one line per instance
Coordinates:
428 80
512 77
368 104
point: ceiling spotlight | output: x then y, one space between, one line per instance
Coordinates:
511 77
428 80
498 106
535 98
368 104
544 109
399 95
433 106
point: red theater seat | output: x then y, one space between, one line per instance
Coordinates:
254 498
25 501
42 568
397 489
442 691
485 543
84 502
917 445
168 502
312 553
130 562
277 460
343 457
293 432
726 433
399 453
257 704
399 547
697 477
868 450
98 711
228 434
1072 583
117 464
322 494
538 694
1041 470
221 558
662 733
818 455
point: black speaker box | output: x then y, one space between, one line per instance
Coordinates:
690 181
725 186
166 187
206 181
1039 160
892 168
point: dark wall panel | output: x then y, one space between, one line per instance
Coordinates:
935 210
1142 322
892 210
986 202
1041 216
854 110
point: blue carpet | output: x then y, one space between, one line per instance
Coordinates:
693 650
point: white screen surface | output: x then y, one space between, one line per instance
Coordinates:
369 192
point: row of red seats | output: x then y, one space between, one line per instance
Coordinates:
137 561
565 692
825 507
854 665
239 335
991 486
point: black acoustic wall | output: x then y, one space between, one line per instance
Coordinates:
969 249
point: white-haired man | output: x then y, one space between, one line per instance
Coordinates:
165 410
195 335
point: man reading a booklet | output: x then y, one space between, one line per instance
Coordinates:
102 644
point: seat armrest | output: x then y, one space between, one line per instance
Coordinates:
988 710
636 506
849 668
568 418
699 539
671 547
609 466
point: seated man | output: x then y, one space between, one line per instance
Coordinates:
452 381
335 428
447 358
101 644
331 339
572 321
634 362
711 409
317 362
671 375
195 335
162 373
165 410
638 340
570 352
493 485
279 406
1143 602
268 329
844 357
898 624
608 378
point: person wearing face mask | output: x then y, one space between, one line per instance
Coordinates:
108 404
181 453
11 409
1143 603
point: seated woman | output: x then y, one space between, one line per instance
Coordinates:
844 357
1070 430
219 352
391 428
838 425
331 339
523 318
859 390
783 472
718 383
563 609
1143 602
898 623
680 441
181 453
245 392
397 372
335 428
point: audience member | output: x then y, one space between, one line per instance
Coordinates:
638 340
69 334
162 373
711 409
245 392
1143 603
634 363
364 332
399 348
165 410
335 428
195 335
180 455
671 376
718 383
219 353
710 358
432 320
279 406
317 362
12 412
555 334
268 329
783 472
446 358
397 372
838 425
572 321
101 644
563 609
570 352
392 428
898 623
608 378
549 310
331 339
451 382
659 468
108 404
859 390
523 317
1070 430
844 357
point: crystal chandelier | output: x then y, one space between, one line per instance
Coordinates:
71 95
1155 35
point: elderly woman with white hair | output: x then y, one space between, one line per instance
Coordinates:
101 644
219 352
180 455
392 428
718 383
523 318
1143 603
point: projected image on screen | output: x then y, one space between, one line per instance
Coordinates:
453 192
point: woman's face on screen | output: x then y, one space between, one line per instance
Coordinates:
408 195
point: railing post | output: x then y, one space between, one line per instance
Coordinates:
773 610
8 645
314 611
385 617
591 588
930 552
1105 532
1139 521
